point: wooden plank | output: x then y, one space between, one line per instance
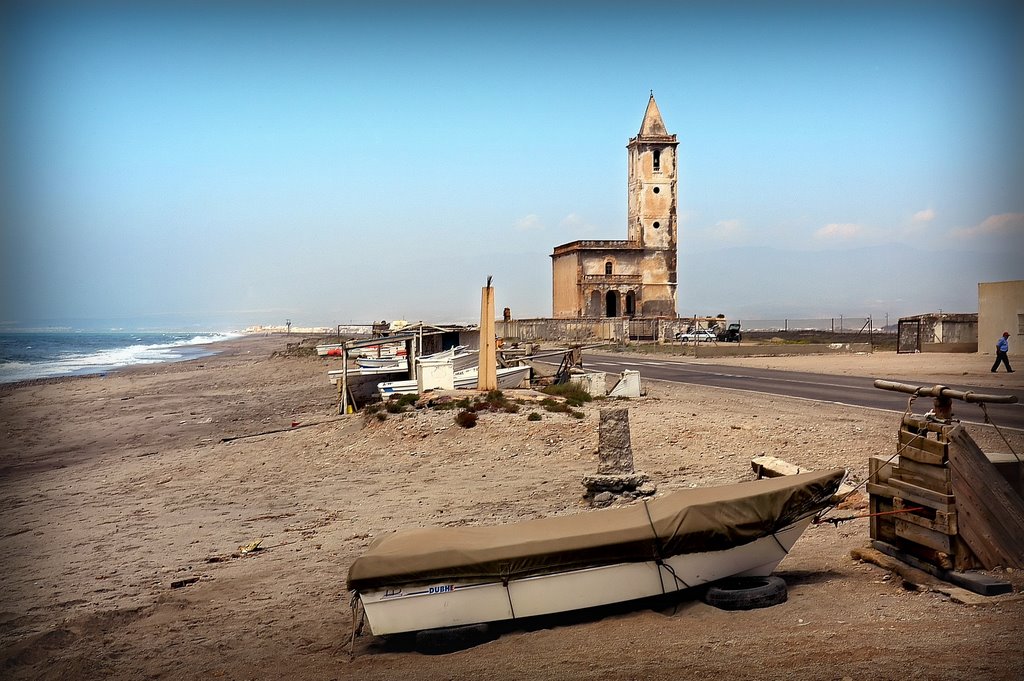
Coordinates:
977 582
917 447
942 522
881 527
881 491
1010 468
923 536
963 557
922 496
936 472
880 468
991 518
771 467
925 481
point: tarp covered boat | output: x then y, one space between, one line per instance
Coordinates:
449 576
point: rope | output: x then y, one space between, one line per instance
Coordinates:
776 538
989 421
357 624
835 521
508 594
658 560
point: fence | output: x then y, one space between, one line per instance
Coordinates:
624 329
840 324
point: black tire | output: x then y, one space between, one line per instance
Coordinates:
746 593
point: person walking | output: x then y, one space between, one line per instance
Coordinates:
1002 348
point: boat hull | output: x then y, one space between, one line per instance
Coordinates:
508 378
454 603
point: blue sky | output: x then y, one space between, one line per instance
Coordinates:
226 164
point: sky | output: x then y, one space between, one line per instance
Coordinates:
220 164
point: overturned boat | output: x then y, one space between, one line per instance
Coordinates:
451 576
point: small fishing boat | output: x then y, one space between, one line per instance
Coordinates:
467 379
450 576
329 349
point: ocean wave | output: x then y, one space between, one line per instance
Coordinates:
72 360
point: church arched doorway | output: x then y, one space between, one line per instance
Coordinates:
611 304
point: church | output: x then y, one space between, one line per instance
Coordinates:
635 277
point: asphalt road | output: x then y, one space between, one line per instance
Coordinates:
854 391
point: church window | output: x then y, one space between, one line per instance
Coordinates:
657 225
657 190
657 159
608 268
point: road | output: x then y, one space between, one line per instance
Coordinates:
854 391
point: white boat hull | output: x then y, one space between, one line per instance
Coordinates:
453 603
509 377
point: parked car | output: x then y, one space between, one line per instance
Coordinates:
697 336
731 334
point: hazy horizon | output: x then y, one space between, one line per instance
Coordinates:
219 165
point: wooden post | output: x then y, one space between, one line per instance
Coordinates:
344 380
487 376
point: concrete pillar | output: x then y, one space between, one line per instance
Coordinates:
614 451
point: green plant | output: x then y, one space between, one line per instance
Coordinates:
397 404
573 394
534 416
404 400
554 405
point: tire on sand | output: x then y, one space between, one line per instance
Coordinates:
746 593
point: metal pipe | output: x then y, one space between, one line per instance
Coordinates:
943 391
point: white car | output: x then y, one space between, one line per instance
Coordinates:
700 335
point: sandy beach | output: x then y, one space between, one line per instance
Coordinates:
113 489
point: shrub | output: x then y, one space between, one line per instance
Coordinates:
404 400
466 419
572 393
534 416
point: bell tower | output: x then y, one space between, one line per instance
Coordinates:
635 277
651 196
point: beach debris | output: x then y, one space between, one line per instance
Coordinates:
185 581
628 385
250 547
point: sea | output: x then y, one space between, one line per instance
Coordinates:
28 355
